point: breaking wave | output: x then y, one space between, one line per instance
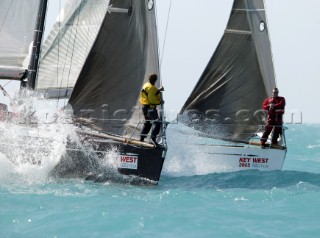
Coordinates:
185 157
33 140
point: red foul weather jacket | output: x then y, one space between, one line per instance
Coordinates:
275 113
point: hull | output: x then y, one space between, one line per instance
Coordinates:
239 157
145 163
112 162
107 160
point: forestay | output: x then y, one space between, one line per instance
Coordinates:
238 77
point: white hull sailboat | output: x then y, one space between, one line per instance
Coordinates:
230 157
226 101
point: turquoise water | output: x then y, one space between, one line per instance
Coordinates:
188 202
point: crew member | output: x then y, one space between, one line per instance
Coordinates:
150 97
275 106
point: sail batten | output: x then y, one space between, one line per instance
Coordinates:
117 10
249 10
231 31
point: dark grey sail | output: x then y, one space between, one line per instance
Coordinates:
227 99
107 91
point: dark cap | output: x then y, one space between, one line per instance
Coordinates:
153 78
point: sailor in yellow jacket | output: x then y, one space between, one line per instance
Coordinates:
150 97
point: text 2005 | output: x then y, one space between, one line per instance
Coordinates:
244 165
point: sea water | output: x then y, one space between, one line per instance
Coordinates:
191 199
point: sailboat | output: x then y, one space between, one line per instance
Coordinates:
226 102
97 57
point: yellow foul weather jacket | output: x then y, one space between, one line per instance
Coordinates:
149 95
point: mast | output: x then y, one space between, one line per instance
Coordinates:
37 39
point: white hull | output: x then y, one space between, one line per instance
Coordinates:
237 158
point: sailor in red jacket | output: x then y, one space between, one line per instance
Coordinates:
275 106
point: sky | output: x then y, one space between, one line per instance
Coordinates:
188 38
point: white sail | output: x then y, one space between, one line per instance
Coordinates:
17 24
68 44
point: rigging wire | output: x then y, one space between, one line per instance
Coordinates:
163 116
10 81
74 40
58 22
71 45
5 17
165 34
272 58
59 26
6 94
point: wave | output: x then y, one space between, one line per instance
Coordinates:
250 179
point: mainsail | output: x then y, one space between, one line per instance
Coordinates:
238 77
17 24
107 91
68 45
